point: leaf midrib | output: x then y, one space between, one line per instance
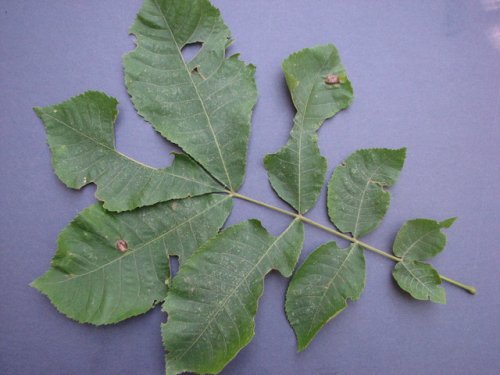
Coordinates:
197 93
235 289
405 265
368 182
328 288
415 242
123 156
301 128
133 251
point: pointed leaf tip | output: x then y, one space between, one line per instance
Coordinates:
448 222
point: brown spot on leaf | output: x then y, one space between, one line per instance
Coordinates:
121 246
332 79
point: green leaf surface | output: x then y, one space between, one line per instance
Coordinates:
420 280
357 201
297 171
203 105
420 239
81 138
214 297
92 281
320 288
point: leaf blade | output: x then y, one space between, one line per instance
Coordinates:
297 171
297 179
81 139
210 82
339 274
420 239
305 73
420 280
91 281
211 308
357 201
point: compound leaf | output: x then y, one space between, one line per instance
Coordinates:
357 201
420 280
111 266
214 297
319 88
320 287
81 138
203 105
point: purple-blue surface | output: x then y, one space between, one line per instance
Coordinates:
426 75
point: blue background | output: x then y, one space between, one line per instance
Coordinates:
426 75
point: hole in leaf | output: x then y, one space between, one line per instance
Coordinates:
174 265
189 51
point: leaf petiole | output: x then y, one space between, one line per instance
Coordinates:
335 232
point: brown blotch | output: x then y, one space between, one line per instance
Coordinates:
121 246
332 79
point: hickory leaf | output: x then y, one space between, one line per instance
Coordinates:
357 201
92 281
297 171
203 105
81 138
113 265
214 297
418 240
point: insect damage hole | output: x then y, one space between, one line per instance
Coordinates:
189 51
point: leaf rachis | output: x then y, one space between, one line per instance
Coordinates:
344 236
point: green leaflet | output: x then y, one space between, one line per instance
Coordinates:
81 138
418 240
320 287
204 105
357 201
420 280
214 297
91 281
297 171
